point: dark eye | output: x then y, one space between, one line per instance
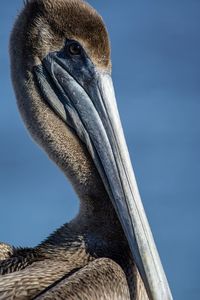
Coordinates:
74 49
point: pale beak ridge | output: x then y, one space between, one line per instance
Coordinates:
90 109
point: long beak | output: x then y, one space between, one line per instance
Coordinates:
90 109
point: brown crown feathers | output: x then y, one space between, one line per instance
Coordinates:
47 23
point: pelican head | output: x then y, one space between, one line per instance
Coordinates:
61 70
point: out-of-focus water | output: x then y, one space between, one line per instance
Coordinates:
156 71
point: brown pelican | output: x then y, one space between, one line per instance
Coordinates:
61 72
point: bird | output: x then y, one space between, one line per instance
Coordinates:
61 72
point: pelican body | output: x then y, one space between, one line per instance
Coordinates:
61 72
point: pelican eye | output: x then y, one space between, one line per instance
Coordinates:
75 48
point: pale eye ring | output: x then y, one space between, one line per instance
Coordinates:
74 48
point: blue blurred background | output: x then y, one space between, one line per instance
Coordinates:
156 71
